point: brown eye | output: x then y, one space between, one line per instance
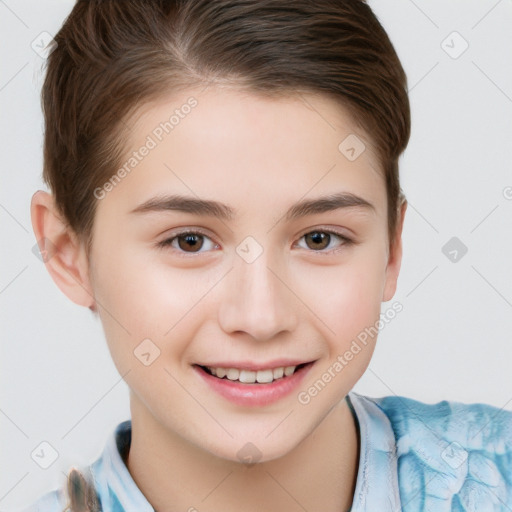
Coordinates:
318 240
191 241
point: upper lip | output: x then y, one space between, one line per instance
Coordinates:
250 365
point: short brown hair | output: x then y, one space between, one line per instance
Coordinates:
110 57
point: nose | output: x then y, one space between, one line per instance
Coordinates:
257 300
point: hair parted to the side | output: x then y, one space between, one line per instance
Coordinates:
111 57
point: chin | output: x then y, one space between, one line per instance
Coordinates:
255 449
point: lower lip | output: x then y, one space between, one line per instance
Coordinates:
254 395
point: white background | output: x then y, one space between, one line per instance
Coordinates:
451 341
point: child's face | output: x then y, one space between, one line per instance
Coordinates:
250 289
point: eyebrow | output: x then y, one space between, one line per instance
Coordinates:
206 207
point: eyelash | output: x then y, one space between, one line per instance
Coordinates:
168 241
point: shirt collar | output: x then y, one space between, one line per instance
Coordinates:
377 477
114 483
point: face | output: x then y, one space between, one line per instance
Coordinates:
202 258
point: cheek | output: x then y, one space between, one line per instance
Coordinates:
142 299
348 306
347 299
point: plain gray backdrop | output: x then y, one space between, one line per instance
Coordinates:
451 341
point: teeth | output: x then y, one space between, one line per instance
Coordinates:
221 372
289 370
263 376
247 376
232 374
278 373
250 376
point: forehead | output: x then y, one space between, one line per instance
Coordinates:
246 147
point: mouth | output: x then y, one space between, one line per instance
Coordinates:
254 385
263 376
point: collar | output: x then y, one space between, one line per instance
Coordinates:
115 486
377 476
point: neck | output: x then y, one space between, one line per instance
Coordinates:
318 474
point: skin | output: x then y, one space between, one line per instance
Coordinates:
259 156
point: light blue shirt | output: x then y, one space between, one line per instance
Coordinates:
414 457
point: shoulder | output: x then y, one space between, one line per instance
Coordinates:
451 452
102 482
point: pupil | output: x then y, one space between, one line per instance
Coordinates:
318 238
191 241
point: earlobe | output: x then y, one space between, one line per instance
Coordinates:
395 258
62 253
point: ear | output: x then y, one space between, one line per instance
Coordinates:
64 256
395 258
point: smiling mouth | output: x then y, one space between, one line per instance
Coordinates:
266 376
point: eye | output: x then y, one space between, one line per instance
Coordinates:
188 242
193 241
319 239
